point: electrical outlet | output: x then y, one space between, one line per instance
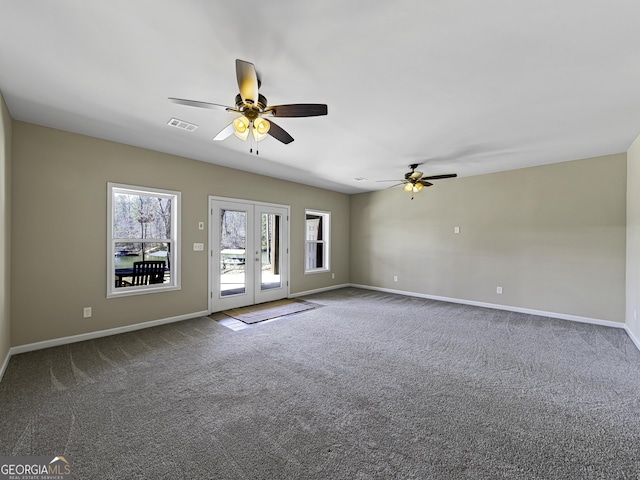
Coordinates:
333 275
395 278
499 290
86 312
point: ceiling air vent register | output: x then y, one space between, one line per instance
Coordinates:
181 124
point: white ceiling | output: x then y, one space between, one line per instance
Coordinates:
464 86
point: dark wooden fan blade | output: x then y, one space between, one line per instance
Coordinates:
425 183
437 177
196 103
279 133
299 110
226 132
247 81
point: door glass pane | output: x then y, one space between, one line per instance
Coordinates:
270 252
233 245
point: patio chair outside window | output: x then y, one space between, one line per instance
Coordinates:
147 272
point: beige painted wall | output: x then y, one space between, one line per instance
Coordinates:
5 230
59 230
553 237
633 239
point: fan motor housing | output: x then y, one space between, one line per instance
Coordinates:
241 104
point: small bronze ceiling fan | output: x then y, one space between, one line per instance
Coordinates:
414 181
252 108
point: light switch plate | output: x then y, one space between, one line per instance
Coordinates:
198 247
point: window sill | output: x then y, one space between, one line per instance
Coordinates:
129 291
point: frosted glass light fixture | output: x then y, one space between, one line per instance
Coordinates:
241 127
260 129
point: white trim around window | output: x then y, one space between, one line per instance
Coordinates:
317 236
143 225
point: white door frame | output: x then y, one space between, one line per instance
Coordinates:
214 224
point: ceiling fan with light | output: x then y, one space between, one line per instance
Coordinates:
254 111
414 181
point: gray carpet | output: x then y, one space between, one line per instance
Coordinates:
371 386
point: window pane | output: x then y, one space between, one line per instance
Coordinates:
314 227
315 255
233 244
141 216
270 252
126 255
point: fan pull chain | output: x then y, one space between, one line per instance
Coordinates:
251 144
251 127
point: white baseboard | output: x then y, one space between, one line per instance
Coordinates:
541 313
4 364
102 333
632 337
319 290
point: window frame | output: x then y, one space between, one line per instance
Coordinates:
174 241
325 242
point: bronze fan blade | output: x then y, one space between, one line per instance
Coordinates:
196 103
247 81
425 183
437 177
226 132
299 110
279 133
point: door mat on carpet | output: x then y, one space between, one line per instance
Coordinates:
267 311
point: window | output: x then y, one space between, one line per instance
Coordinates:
317 235
143 251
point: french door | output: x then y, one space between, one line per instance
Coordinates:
249 253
